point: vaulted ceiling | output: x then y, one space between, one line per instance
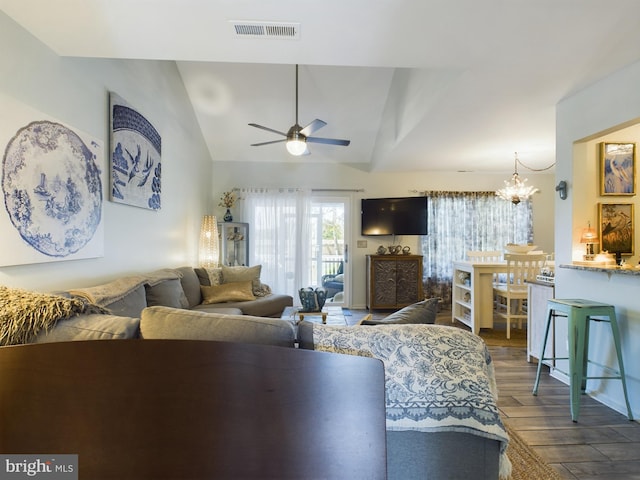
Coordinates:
414 84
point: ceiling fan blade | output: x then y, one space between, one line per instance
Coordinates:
268 143
267 129
314 126
329 141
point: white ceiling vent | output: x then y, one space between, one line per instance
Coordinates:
266 29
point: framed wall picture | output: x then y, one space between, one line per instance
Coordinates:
136 148
616 227
617 168
51 184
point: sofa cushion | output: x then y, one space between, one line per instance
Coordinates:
242 274
421 312
221 308
170 323
131 305
270 306
227 292
168 293
190 285
91 327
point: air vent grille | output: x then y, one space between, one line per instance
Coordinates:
267 29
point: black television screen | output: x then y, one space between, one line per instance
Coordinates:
394 216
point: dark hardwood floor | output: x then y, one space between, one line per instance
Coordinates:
602 445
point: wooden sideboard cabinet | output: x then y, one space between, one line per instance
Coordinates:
393 281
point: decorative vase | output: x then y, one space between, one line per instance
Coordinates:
312 300
227 216
321 297
308 299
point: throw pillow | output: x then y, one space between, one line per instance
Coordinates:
242 274
190 285
263 291
209 276
227 292
168 293
215 275
421 312
131 305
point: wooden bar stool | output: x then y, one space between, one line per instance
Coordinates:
579 314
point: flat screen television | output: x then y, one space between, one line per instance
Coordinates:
394 216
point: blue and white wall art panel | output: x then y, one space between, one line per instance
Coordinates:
136 149
51 186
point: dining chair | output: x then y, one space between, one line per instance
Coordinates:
484 255
513 295
487 256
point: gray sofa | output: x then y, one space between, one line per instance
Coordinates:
473 451
463 450
126 298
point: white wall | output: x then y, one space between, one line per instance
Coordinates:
75 91
333 176
604 111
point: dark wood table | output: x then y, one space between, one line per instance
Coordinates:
153 409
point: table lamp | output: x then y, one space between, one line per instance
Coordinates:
589 237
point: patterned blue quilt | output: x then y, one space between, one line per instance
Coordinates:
437 378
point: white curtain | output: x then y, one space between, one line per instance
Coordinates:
278 235
461 221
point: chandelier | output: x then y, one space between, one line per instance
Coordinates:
517 189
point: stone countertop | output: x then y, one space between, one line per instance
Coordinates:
541 283
602 268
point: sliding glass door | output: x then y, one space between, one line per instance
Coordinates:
328 266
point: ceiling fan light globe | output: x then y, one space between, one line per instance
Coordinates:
296 147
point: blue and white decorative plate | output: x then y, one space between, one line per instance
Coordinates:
136 150
52 188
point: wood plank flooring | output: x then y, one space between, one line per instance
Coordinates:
602 445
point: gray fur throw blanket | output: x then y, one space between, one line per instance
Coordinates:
24 314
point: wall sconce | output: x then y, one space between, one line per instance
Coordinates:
208 252
589 238
561 188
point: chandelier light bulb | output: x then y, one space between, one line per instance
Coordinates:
516 189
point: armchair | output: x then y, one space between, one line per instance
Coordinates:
334 282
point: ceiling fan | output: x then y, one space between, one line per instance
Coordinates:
297 136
